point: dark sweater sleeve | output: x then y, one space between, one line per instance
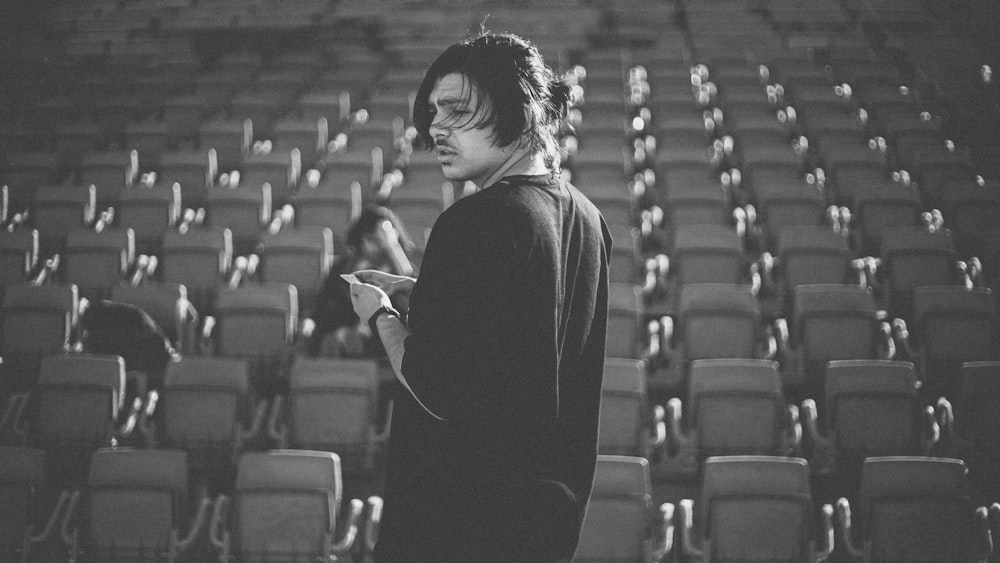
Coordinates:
478 349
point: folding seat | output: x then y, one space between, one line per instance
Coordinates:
971 211
285 507
706 310
970 430
951 325
301 256
95 262
881 206
913 257
935 167
167 304
57 210
149 211
333 106
365 166
781 204
194 170
621 523
200 259
333 405
326 204
734 407
184 113
385 134
73 140
136 505
851 166
625 315
257 322
110 172
229 136
18 256
630 424
245 211
310 136
281 169
831 322
869 408
755 508
695 202
77 406
37 320
25 172
707 254
27 523
907 134
806 255
207 409
914 509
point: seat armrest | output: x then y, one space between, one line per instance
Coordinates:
676 439
930 434
818 447
383 436
685 516
844 518
147 424
793 431
65 497
782 339
984 539
70 533
346 543
664 527
127 428
658 431
201 520
217 532
205 344
373 521
13 416
256 423
901 335
888 346
276 430
827 531
993 519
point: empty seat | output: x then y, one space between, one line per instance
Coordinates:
806 255
299 256
280 169
621 523
755 508
333 405
35 321
199 259
915 257
18 256
707 254
914 509
149 211
245 211
135 506
97 261
630 424
285 507
57 210
624 321
194 170
110 172
230 138
330 206
28 520
734 407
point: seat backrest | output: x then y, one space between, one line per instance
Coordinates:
135 500
916 509
916 257
286 504
56 210
194 170
834 322
206 403
624 318
166 303
256 319
736 407
871 406
978 413
332 403
617 523
38 319
756 508
811 255
18 255
197 259
707 254
244 210
301 256
78 398
149 211
96 262
955 323
709 309
624 407
22 479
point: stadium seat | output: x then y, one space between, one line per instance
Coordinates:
110 172
624 321
333 405
136 505
194 170
97 261
207 409
734 407
199 259
970 429
325 204
914 509
245 211
281 169
230 138
630 424
755 508
167 304
18 256
621 522
913 257
36 320
149 211
57 210
285 507
880 206
28 521
301 256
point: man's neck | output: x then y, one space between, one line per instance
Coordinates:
521 163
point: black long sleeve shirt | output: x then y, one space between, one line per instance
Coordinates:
508 323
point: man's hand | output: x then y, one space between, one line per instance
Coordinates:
367 299
391 284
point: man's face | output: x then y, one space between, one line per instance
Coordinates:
466 152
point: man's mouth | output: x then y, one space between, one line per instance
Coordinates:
443 151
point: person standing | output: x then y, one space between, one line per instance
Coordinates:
501 354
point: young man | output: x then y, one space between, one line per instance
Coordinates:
494 442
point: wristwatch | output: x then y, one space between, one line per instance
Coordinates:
383 310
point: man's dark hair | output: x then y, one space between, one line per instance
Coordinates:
519 94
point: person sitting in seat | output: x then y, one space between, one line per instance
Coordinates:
376 240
